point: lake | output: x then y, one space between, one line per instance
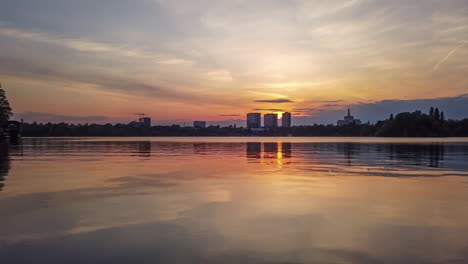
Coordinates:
234 200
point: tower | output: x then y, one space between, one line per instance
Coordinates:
270 120
254 120
286 119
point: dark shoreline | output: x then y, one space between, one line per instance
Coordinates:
416 124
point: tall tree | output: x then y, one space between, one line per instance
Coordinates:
442 116
431 112
436 114
5 109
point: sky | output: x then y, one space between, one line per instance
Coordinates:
177 61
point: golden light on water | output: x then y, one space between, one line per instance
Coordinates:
279 156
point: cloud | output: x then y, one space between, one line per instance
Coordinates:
84 45
286 85
220 75
275 101
72 43
331 101
331 105
214 53
301 110
105 80
448 56
323 9
455 107
269 109
230 115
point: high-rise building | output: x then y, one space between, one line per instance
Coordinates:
145 121
270 120
254 120
286 119
199 124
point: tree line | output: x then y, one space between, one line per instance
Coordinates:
415 124
5 109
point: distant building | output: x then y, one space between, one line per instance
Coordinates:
348 120
254 120
199 124
270 120
145 121
286 119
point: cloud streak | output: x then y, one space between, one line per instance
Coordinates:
275 101
269 109
436 66
454 107
103 80
72 43
83 45
231 115
202 58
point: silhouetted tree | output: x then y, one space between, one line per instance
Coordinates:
5 109
431 112
442 117
415 124
436 114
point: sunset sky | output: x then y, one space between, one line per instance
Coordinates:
104 60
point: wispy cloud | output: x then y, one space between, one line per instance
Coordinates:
436 66
230 115
331 7
294 84
454 107
174 61
72 43
220 75
306 111
269 109
275 101
226 54
84 45
105 81
331 101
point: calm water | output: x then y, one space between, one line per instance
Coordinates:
234 200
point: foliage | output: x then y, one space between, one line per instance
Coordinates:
416 124
5 109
